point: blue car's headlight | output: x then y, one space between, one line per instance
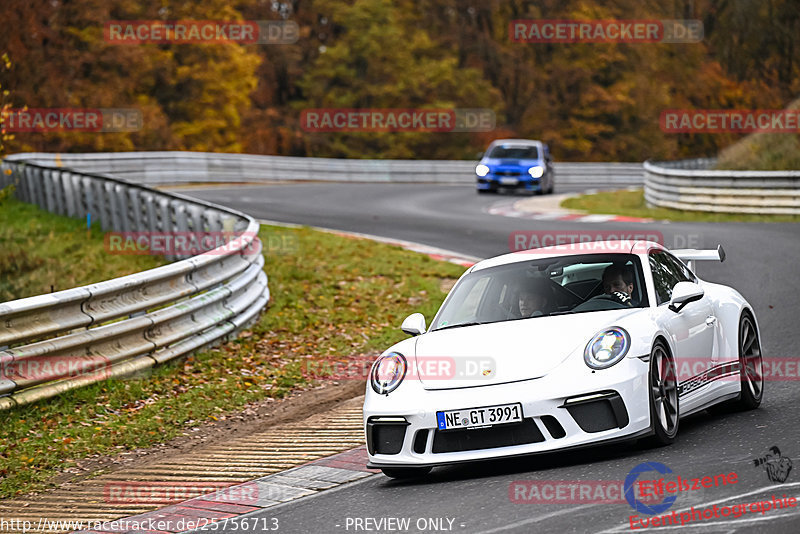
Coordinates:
536 172
607 348
387 373
482 170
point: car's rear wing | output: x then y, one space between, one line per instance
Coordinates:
690 255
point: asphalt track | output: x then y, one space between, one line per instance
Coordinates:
761 262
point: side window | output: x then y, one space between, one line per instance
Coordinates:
679 268
665 276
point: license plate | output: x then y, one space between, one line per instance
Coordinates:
509 181
480 417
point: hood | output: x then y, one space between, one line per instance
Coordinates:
507 351
513 162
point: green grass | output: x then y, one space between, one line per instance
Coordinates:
632 204
41 252
332 297
763 151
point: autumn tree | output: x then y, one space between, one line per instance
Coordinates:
382 58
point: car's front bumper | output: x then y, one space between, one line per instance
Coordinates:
490 182
407 433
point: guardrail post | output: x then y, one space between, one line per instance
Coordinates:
104 205
150 222
137 218
32 176
86 197
71 194
119 208
49 191
60 196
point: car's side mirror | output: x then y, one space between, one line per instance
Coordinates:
683 293
414 324
479 156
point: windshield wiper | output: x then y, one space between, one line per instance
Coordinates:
474 323
565 312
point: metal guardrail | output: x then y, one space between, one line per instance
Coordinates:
691 185
162 168
124 325
60 341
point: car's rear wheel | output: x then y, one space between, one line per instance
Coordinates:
664 407
404 473
750 362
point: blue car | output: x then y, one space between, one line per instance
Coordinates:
515 164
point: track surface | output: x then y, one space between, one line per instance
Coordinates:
762 264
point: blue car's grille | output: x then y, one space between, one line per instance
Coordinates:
507 173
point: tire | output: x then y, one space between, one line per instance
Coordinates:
663 396
405 473
750 362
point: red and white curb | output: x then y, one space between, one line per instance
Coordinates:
433 252
508 210
227 505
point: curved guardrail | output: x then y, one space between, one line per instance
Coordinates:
161 168
691 185
56 342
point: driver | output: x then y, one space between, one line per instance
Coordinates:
532 300
618 283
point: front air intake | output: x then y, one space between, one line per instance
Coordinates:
385 435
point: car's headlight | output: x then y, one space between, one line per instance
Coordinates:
388 372
536 172
607 348
482 170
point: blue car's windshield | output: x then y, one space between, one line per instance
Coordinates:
515 152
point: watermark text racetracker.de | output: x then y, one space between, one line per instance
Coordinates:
100 120
397 120
33 370
597 240
163 493
570 492
730 121
135 32
695 372
194 243
605 31
589 240
422 367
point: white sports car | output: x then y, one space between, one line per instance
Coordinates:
561 347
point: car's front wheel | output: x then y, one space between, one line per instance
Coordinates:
664 409
404 473
750 364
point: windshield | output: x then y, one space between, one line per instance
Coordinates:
545 287
515 152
